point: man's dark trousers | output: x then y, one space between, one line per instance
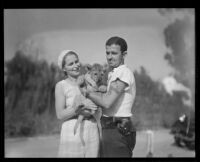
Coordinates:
115 144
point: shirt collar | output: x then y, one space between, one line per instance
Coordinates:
119 67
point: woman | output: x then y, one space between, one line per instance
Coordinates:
68 100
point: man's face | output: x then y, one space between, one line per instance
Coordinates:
114 55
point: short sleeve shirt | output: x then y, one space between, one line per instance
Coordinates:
122 107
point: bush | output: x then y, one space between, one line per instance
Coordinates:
30 101
30 91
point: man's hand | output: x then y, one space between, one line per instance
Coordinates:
102 88
91 89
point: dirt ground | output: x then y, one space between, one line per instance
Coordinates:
47 146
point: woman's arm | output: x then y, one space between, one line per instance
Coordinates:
62 112
66 113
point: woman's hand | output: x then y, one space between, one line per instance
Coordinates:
89 80
82 110
87 108
86 112
81 80
88 104
83 91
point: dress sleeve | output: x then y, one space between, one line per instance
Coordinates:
65 88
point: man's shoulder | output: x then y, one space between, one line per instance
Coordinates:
122 73
125 69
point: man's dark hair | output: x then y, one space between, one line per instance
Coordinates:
117 41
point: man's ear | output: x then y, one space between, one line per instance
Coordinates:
88 67
124 54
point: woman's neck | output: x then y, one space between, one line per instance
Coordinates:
72 79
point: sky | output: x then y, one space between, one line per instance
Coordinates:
85 31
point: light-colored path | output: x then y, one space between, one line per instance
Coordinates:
163 145
48 146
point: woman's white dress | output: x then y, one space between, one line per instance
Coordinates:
70 144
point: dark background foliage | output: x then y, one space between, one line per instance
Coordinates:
29 106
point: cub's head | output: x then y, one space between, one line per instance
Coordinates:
96 71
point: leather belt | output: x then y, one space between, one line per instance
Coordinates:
114 118
85 118
111 122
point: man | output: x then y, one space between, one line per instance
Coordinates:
118 134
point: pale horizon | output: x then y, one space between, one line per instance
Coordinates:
86 31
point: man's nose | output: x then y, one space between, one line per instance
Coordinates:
109 56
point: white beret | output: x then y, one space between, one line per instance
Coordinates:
61 56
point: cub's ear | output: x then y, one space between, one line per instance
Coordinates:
105 68
88 67
103 72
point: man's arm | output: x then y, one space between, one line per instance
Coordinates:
106 100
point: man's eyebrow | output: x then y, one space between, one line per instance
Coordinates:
112 52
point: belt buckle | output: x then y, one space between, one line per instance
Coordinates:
108 122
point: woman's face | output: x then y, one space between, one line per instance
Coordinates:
72 65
